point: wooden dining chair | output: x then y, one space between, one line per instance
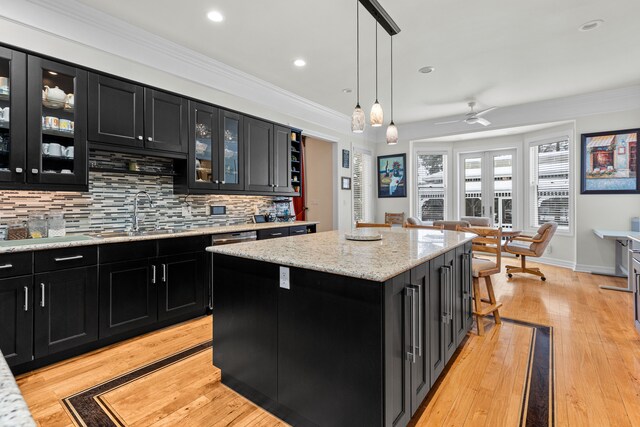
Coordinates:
371 225
489 241
394 218
429 227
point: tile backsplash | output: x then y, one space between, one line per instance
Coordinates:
109 203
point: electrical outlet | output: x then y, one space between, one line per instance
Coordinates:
284 278
186 211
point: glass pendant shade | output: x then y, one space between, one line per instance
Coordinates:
377 116
392 134
357 120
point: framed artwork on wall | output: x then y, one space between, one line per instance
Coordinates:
610 162
392 180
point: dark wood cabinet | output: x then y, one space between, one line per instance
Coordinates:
13 131
258 155
282 160
463 301
449 277
116 112
128 296
273 233
16 319
418 295
183 280
437 317
66 311
166 120
231 151
135 118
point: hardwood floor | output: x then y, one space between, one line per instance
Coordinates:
597 367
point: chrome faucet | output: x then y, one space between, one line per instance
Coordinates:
136 219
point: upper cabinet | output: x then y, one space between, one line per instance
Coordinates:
126 115
267 157
13 129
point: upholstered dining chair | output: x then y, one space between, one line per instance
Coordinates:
530 246
371 225
394 218
489 241
414 220
477 221
451 225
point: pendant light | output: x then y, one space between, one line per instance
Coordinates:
357 118
392 130
377 116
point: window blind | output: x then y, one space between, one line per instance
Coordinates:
549 182
362 186
431 182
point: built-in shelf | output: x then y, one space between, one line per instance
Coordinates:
127 171
64 159
4 97
54 132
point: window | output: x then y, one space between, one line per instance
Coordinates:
362 186
431 180
549 180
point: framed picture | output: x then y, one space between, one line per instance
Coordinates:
345 183
345 159
610 162
392 181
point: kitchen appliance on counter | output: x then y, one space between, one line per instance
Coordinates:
227 239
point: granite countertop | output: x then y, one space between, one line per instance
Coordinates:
13 409
399 250
70 240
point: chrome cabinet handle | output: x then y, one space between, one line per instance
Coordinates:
164 273
276 234
18 170
419 301
140 137
149 139
153 274
42 292
5 266
26 298
69 258
443 285
450 277
34 171
216 182
411 293
222 182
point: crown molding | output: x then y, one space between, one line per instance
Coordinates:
547 111
78 23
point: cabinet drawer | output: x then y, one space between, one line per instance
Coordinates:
183 245
128 251
273 233
16 264
297 230
59 259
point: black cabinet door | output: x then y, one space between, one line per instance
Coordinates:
203 167
258 155
450 336
166 120
66 311
397 349
273 233
282 160
420 371
57 151
116 112
182 282
13 127
231 151
16 319
245 300
437 317
128 296
462 311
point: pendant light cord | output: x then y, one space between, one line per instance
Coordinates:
358 51
376 62
391 79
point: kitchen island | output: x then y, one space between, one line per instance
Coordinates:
323 331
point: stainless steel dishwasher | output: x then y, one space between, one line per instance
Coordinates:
228 239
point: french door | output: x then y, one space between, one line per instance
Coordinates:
488 183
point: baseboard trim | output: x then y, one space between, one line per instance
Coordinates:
553 261
595 269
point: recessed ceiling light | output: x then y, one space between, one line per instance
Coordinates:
215 16
347 90
426 70
591 25
299 62
53 73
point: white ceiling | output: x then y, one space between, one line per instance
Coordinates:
499 52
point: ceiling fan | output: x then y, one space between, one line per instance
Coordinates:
473 117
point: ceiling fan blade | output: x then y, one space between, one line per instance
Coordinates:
478 114
483 121
450 121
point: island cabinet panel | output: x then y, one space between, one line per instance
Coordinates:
449 277
329 341
437 317
16 319
245 335
419 311
463 306
258 155
182 283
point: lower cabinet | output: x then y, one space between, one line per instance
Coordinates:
66 307
128 296
16 319
183 280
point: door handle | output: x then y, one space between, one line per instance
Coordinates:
26 298
164 273
5 266
153 274
42 292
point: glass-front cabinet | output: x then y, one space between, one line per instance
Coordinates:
214 153
57 141
13 70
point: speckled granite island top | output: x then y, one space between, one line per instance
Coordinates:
71 241
399 250
13 409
